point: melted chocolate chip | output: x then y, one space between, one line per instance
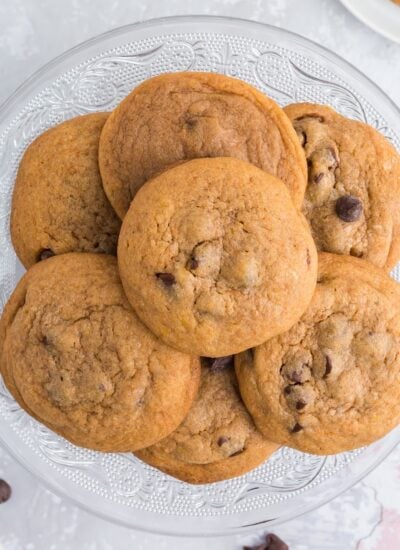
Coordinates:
102 387
45 341
348 208
222 440
300 405
302 137
191 123
45 253
216 364
356 253
308 257
328 366
193 263
5 491
166 278
318 177
287 390
296 428
272 542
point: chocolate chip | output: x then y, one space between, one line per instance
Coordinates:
193 263
5 491
272 542
328 365
302 137
348 208
102 387
275 543
45 341
288 389
216 364
167 278
222 440
45 253
296 428
300 405
191 123
237 453
318 177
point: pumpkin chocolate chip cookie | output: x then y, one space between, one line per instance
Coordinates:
332 382
217 440
220 264
352 200
181 116
75 356
59 204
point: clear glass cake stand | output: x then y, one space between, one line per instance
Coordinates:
96 76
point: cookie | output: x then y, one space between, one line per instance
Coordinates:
217 440
352 201
75 357
181 116
59 204
332 382
220 265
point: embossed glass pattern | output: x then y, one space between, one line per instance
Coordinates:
94 77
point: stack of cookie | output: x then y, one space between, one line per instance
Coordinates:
219 333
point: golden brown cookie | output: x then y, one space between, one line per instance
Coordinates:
220 265
75 356
59 204
352 201
182 116
217 440
332 382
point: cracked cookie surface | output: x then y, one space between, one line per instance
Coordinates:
181 116
215 267
332 382
59 204
217 440
75 356
352 200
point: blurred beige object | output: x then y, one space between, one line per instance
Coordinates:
382 17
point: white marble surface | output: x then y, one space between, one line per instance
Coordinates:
367 517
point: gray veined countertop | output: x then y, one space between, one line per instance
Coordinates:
32 32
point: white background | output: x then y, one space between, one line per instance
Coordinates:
31 33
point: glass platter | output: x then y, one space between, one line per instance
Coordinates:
96 76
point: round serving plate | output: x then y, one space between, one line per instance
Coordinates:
383 16
96 76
